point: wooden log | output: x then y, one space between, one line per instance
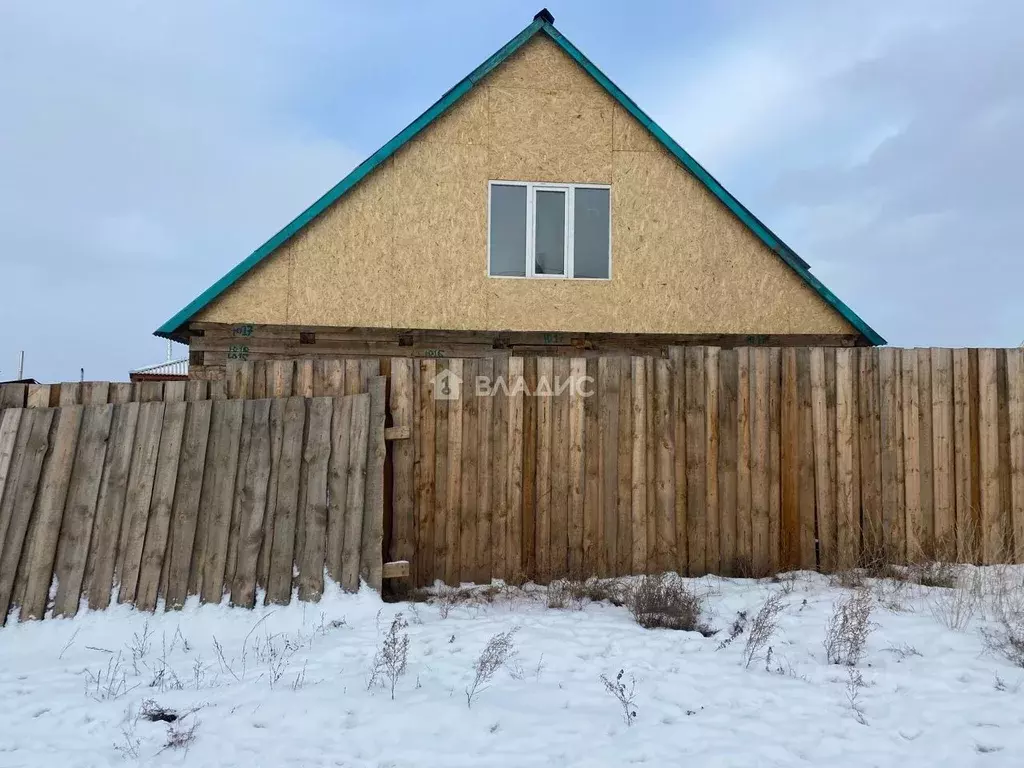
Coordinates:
925 455
667 557
188 491
696 457
993 517
80 508
197 389
281 375
545 415
355 502
728 381
808 535
759 464
608 461
282 557
744 500
1015 433
847 465
19 496
10 459
398 569
528 549
443 389
964 417
790 463
239 379
174 391
425 461
149 391
624 507
13 395
499 542
337 483
122 392
678 363
591 503
943 458
41 549
371 556
244 446
137 501
161 504
304 379
70 393
278 407
870 437
255 475
560 470
911 455
484 486
469 501
106 531
516 471
774 459
216 502
893 499
712 546
353 379
314 515
39 396
638 503
651 467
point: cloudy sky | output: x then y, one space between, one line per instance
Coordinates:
147 147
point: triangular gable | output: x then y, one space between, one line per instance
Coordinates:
542 24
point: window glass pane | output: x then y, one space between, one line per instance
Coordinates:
550 232
508 230
590 233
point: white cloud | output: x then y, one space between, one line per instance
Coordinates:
145 150
880 141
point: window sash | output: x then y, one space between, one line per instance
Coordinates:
570 206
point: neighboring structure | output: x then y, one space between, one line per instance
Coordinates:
169 370
172 370
534 207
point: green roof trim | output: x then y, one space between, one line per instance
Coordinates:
175 327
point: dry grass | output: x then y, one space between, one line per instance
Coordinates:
848 628
499 652
575 594
665 602
762 628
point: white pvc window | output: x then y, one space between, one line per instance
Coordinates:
549 230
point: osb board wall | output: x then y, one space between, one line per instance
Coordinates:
407 248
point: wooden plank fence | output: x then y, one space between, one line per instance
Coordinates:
243 380
739 462
149 502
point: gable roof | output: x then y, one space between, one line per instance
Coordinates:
543 23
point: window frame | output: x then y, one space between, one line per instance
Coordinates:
569 265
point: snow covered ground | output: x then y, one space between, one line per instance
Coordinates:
288 686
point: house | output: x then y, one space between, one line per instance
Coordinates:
534 208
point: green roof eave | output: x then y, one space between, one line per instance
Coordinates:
175 327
